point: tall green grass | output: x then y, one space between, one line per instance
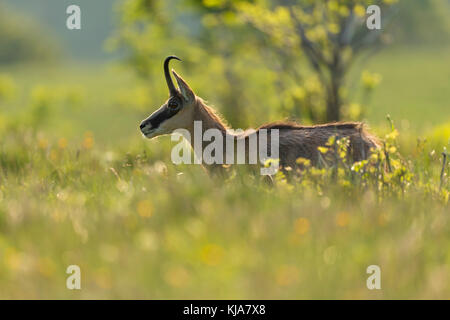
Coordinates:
79 185
140 227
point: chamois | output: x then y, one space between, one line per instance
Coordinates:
183 108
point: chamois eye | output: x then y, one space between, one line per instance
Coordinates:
173 105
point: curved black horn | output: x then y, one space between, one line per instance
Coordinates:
170 84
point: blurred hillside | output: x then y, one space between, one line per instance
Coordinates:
23 39
422 22
86 44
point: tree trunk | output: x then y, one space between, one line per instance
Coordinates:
333 106
333 96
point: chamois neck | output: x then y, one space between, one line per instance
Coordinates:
209 117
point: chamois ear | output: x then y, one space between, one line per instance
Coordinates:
185 90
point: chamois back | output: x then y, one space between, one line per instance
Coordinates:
297 140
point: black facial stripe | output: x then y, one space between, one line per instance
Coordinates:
162 116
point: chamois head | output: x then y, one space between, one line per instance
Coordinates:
176 112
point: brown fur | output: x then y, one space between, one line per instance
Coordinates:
302 141
296 140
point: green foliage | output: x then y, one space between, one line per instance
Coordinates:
246 48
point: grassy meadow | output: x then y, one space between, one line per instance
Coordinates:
79 185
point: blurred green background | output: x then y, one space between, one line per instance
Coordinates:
79 184
114 65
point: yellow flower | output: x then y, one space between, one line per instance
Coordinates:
342 219
370 80
13 258
88 141
62 143
301 226
43 143
333 5
145 208
359 10
287 275
333 28
322 149
211 254
212 3
303 161
343 10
